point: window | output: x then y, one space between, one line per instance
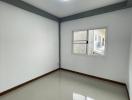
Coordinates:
80 42
90 42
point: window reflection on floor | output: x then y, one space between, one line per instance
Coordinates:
77 96
88 98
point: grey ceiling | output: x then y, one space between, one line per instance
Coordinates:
60 8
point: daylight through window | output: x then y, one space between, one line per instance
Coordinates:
91 42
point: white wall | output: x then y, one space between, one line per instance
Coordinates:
28 46
130 70
114 65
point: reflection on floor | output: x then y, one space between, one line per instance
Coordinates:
63 85
77 96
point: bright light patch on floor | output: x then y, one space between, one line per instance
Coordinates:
88 98
65 0
77 96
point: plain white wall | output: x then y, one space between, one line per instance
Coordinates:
28 46
130 70
114 65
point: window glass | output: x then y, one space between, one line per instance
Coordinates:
99 41
79 42
79 48
91 42
80 35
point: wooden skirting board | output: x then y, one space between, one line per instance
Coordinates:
23 84
14 88
99 78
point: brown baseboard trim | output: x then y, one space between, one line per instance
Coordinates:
23 84
99 78
108 80
14 88
127 92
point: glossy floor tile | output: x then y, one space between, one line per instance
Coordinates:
63 85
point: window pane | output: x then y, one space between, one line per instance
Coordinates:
99 41
79 48
79 35
91 43
96 44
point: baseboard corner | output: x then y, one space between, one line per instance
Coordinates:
25 83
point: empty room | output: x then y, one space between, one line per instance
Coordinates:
65 49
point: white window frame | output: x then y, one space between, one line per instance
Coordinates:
75 43
86 54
